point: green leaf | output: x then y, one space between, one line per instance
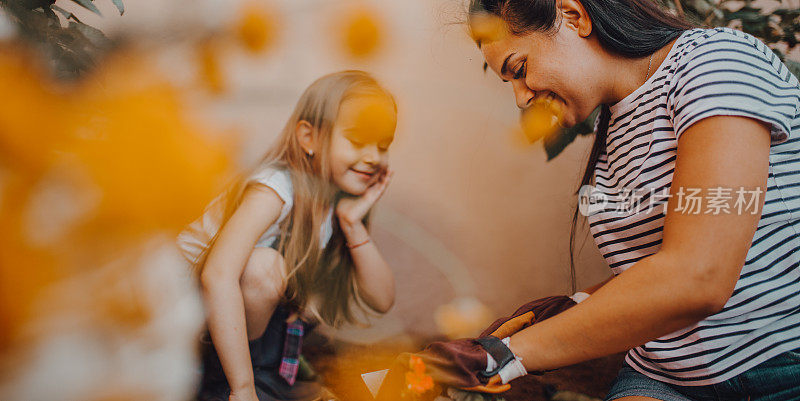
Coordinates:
87 4
67 15
62 11
94 35
120 6
755 28
586 126
555 144
34 4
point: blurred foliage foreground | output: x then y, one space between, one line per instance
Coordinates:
97 175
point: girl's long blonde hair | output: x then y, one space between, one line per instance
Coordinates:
320 281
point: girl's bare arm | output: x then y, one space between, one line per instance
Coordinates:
222 293
373 275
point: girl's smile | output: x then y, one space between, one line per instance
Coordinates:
364 175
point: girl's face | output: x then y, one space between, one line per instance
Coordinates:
563 65
359 147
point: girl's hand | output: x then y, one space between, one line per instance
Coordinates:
248 394
351 210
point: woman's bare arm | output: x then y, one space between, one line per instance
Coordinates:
689 278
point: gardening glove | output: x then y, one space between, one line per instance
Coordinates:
484 365
532 312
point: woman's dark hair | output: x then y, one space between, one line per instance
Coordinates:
631 28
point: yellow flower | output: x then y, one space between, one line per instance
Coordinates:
373 119
541 119
416 380
463 317
485 28
155 168
361 34
95 181
30 113
210 71
256 28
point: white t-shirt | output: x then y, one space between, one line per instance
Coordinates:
199 233
708 72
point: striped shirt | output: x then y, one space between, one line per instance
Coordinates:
708 72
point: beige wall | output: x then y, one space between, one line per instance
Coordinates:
500 209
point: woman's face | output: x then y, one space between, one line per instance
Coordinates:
561 64
359 148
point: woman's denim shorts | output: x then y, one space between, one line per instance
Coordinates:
775 379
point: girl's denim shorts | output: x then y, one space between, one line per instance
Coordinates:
775 379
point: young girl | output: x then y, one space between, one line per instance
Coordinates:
288 245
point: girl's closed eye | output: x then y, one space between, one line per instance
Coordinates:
356 143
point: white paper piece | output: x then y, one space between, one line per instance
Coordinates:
373 380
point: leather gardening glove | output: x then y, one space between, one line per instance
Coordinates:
484 365
530 313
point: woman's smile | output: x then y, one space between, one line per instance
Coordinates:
551 96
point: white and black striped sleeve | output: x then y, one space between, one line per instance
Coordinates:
732 74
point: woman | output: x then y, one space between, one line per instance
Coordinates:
706 303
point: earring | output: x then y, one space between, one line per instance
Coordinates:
311 153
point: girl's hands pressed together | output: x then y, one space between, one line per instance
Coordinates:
351 210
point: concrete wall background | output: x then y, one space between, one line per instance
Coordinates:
500 208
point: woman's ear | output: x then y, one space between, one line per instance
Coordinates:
305 136
575 17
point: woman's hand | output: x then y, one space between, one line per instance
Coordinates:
351 210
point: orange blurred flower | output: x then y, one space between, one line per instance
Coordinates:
463 317
155 168
541 119
210 71
485 28
361 33
416 380
256 27
88 173
373 118
31 112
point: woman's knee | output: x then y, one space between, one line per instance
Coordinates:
263 275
